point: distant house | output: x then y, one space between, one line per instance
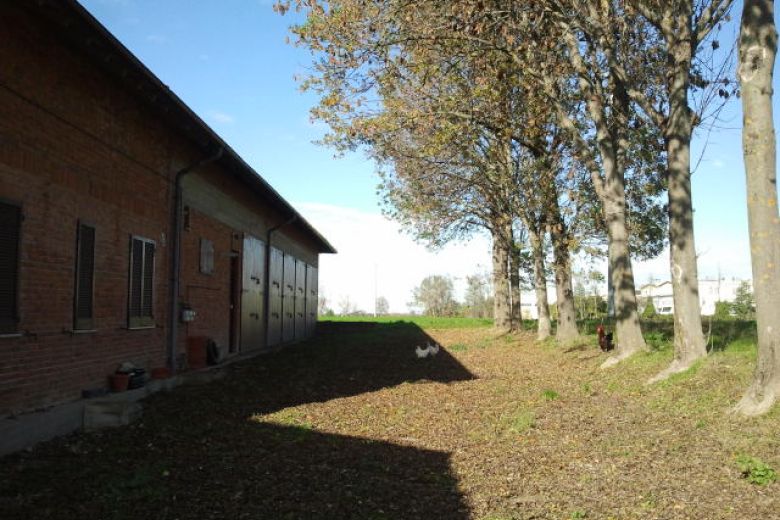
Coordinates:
661 296
711 291
128 228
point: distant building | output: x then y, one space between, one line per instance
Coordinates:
711 291
528 303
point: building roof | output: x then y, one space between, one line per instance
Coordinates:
87 34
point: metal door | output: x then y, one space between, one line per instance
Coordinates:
288 299
300 300
311 300
252 294
276 270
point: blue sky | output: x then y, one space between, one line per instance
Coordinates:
229 61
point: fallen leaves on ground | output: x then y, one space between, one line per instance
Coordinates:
353 425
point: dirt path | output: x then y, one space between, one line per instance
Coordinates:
353 425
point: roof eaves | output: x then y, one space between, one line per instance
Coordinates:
162 95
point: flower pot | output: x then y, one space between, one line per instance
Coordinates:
119 382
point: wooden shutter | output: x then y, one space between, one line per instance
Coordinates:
10 226
85 278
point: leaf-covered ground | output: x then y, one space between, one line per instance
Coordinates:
353 425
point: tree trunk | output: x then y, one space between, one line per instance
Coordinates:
502 319
611 190
628 332
514 287
567 313
689 344
540 286
757 50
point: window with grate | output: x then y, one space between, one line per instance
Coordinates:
10 230
83 298
141 294
206 256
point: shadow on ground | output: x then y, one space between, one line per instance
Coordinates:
206 451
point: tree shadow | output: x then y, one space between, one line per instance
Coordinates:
212 450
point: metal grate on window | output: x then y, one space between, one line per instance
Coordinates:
10 231
85 278
141 293
148 277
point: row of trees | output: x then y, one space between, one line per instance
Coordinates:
436 297
559 126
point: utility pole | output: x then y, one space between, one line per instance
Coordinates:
375 291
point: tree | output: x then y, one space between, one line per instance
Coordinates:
649 312
757 50
723 311
423 95
680 30
744 305
478 300
346 307
435 296
382 307
322 305
591 32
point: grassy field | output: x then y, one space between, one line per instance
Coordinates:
352 425
428 322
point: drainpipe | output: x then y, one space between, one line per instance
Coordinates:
267 298
173 318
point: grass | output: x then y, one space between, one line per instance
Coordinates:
425 322
519 421
353 425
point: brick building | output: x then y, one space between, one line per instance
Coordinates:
122 216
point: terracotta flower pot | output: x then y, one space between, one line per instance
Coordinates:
119 382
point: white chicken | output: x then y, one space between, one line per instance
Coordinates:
429 350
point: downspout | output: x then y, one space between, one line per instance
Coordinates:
173 318
267 293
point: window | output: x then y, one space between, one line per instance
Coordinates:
140 307
10 228
206 256
83 297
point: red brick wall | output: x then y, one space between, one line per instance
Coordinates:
75 146
207 294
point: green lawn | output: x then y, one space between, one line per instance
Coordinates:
426 322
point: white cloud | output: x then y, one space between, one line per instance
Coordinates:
221 117
156 38
372 248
